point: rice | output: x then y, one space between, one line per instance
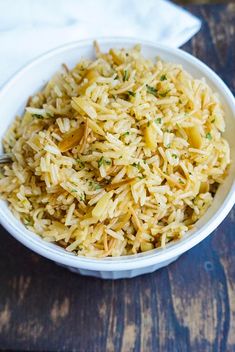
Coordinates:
116 156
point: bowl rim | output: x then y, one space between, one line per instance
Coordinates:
155 256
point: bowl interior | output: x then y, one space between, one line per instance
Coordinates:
28 81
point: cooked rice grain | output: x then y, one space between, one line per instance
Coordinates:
117 156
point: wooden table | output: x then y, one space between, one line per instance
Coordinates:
188 306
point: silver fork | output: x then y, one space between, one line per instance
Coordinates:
5 158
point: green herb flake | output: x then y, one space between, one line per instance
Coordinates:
174 156
97 186
158 120
125 76
163 78
82 197
100 161
94 185
130 93
164 94
148 123
168 145
151 90
126 133
213 121
180 181
209 136
37 116
81 163
137 165
74 190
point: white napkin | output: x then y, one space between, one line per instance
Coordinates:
29 28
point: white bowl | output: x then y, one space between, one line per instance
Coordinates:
30 79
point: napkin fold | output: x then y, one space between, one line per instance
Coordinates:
29 28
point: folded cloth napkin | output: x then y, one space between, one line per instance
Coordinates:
29 28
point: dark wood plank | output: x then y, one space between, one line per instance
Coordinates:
188 306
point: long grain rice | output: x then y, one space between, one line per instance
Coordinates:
142 156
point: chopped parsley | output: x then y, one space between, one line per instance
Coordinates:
37 116
164 94
209 136
80 163
97 186
151 90
158 120
130 93
126 133
148 123
102 161
82 197
163 78
74 190
213 121
174 156
180 181
125 76
94 185
137 165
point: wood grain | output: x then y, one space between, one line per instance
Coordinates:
188 306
